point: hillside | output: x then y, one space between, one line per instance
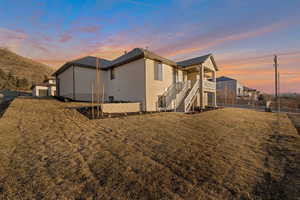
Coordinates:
50 151
21 67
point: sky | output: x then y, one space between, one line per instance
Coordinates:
242 35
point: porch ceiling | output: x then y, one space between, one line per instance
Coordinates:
195 68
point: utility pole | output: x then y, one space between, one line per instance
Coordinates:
276 80
278 103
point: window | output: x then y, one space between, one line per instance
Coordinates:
112 74
111 99
158 71
161 101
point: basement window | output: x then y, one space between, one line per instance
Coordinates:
161 101
111 99
112 74
158 71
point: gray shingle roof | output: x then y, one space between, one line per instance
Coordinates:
138 53
249 89
88 61
224 78
91 61
135 54
193 61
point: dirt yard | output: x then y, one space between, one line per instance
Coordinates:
295 118
50 151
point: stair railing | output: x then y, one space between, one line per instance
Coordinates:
189 99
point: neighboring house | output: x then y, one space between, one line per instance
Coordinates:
145 77
251 94
47 88
230 90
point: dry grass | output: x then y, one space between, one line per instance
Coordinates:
50 151
295 118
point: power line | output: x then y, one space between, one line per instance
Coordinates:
268 55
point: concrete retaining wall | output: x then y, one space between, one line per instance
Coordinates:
121 107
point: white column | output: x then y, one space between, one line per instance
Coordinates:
215 93
201 90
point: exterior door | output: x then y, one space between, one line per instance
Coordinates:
43 92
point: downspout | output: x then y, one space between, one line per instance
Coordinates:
74 95
146 88
57 85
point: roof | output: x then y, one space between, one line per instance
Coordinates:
249 89
88 61
42 84
138 53
225 78
48 79
91 61
135 54
194 61
197 61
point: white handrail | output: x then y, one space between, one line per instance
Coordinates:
190 97
169 95
174 94
209 85
179 97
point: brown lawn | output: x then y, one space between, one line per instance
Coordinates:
50 151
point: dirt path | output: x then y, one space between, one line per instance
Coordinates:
50 151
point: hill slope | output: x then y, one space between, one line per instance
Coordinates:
22 67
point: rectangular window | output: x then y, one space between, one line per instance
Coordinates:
112 74
111 99
161 101
158 71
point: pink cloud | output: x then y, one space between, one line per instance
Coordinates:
65 37
88 29
215 38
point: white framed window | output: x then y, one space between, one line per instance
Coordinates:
158 71
112 74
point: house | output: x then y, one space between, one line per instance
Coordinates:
231 91
46 88
145 77
251 94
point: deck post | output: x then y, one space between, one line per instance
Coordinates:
201 89
215 93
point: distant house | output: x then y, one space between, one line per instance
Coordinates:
46 88
230 90
251 94
145 77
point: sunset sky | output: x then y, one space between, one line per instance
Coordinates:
243 35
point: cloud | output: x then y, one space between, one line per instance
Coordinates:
65 37
11 39
88 29
21 43
216 37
